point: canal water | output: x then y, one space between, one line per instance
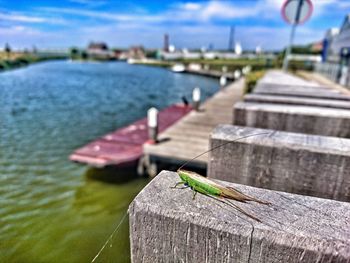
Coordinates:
52 210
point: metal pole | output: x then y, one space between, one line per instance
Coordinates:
292 33
288 51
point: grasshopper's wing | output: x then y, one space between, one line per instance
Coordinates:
232 193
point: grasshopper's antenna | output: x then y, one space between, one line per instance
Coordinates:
250 135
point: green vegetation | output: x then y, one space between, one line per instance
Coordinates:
151 53
299 65
11 60
157 63
217 64
82 55
232 64
305 50
251 79
8 50
294 65
74 53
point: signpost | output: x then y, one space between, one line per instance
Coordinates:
295 12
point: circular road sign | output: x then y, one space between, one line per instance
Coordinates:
296 11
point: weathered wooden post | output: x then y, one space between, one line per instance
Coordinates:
152 122
283 161
237 74
223 81
196 97
167 225
293 118
246 70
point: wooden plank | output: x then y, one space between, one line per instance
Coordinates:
283 161
124 146
279 90
190 136
294 118
167 225
274 99
174 151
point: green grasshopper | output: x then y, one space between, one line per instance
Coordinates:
203 185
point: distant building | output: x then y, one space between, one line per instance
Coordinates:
99 50
97 46
328 52
316 46
117 54
136 52
166 43
336 54
209 55
337 43
171 55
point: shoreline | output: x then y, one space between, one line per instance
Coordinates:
21 62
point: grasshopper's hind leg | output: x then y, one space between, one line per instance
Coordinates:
194 194
179 183
241 210
227 202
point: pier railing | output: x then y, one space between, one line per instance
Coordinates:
335 72
305 153
167 225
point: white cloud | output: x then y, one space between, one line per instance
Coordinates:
191 6
224 10
192 12
17 31
190 24
90 3
21 18
321 7
17 17
195 12
271 9
194 36
103 15
273 4
344 4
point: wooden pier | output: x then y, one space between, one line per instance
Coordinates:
211 73
295 157
190 136
123 147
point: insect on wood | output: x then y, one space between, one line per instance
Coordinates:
205 186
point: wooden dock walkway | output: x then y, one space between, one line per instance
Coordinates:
211 73
190 136
123 147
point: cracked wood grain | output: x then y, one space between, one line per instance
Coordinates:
166 225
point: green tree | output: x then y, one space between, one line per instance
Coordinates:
74 52
84 55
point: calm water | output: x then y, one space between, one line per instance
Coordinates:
52 210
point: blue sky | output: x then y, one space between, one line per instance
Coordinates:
191 24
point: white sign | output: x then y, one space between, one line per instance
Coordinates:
297 11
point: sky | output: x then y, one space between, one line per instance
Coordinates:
190 24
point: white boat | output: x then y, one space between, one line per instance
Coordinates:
131 61
178 68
